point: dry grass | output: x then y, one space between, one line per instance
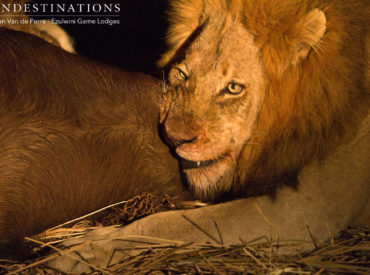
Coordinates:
347 254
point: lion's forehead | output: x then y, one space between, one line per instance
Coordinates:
223 54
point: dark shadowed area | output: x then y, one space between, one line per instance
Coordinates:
135 44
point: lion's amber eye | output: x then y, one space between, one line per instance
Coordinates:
234 88
182 74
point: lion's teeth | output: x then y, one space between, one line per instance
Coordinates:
198 163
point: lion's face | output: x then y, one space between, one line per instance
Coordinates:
211 106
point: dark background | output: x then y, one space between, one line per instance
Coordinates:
135 44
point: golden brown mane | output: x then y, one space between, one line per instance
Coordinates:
313 107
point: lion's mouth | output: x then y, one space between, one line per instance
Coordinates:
188 164
191 164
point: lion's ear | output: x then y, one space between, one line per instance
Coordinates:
309 33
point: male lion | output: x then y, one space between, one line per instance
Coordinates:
264 97
259 91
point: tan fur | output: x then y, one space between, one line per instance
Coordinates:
75 136
303 65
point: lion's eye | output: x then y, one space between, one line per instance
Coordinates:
234 88
182 74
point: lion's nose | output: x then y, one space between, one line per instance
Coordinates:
178 137
177 132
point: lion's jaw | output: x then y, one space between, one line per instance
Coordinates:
205 122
